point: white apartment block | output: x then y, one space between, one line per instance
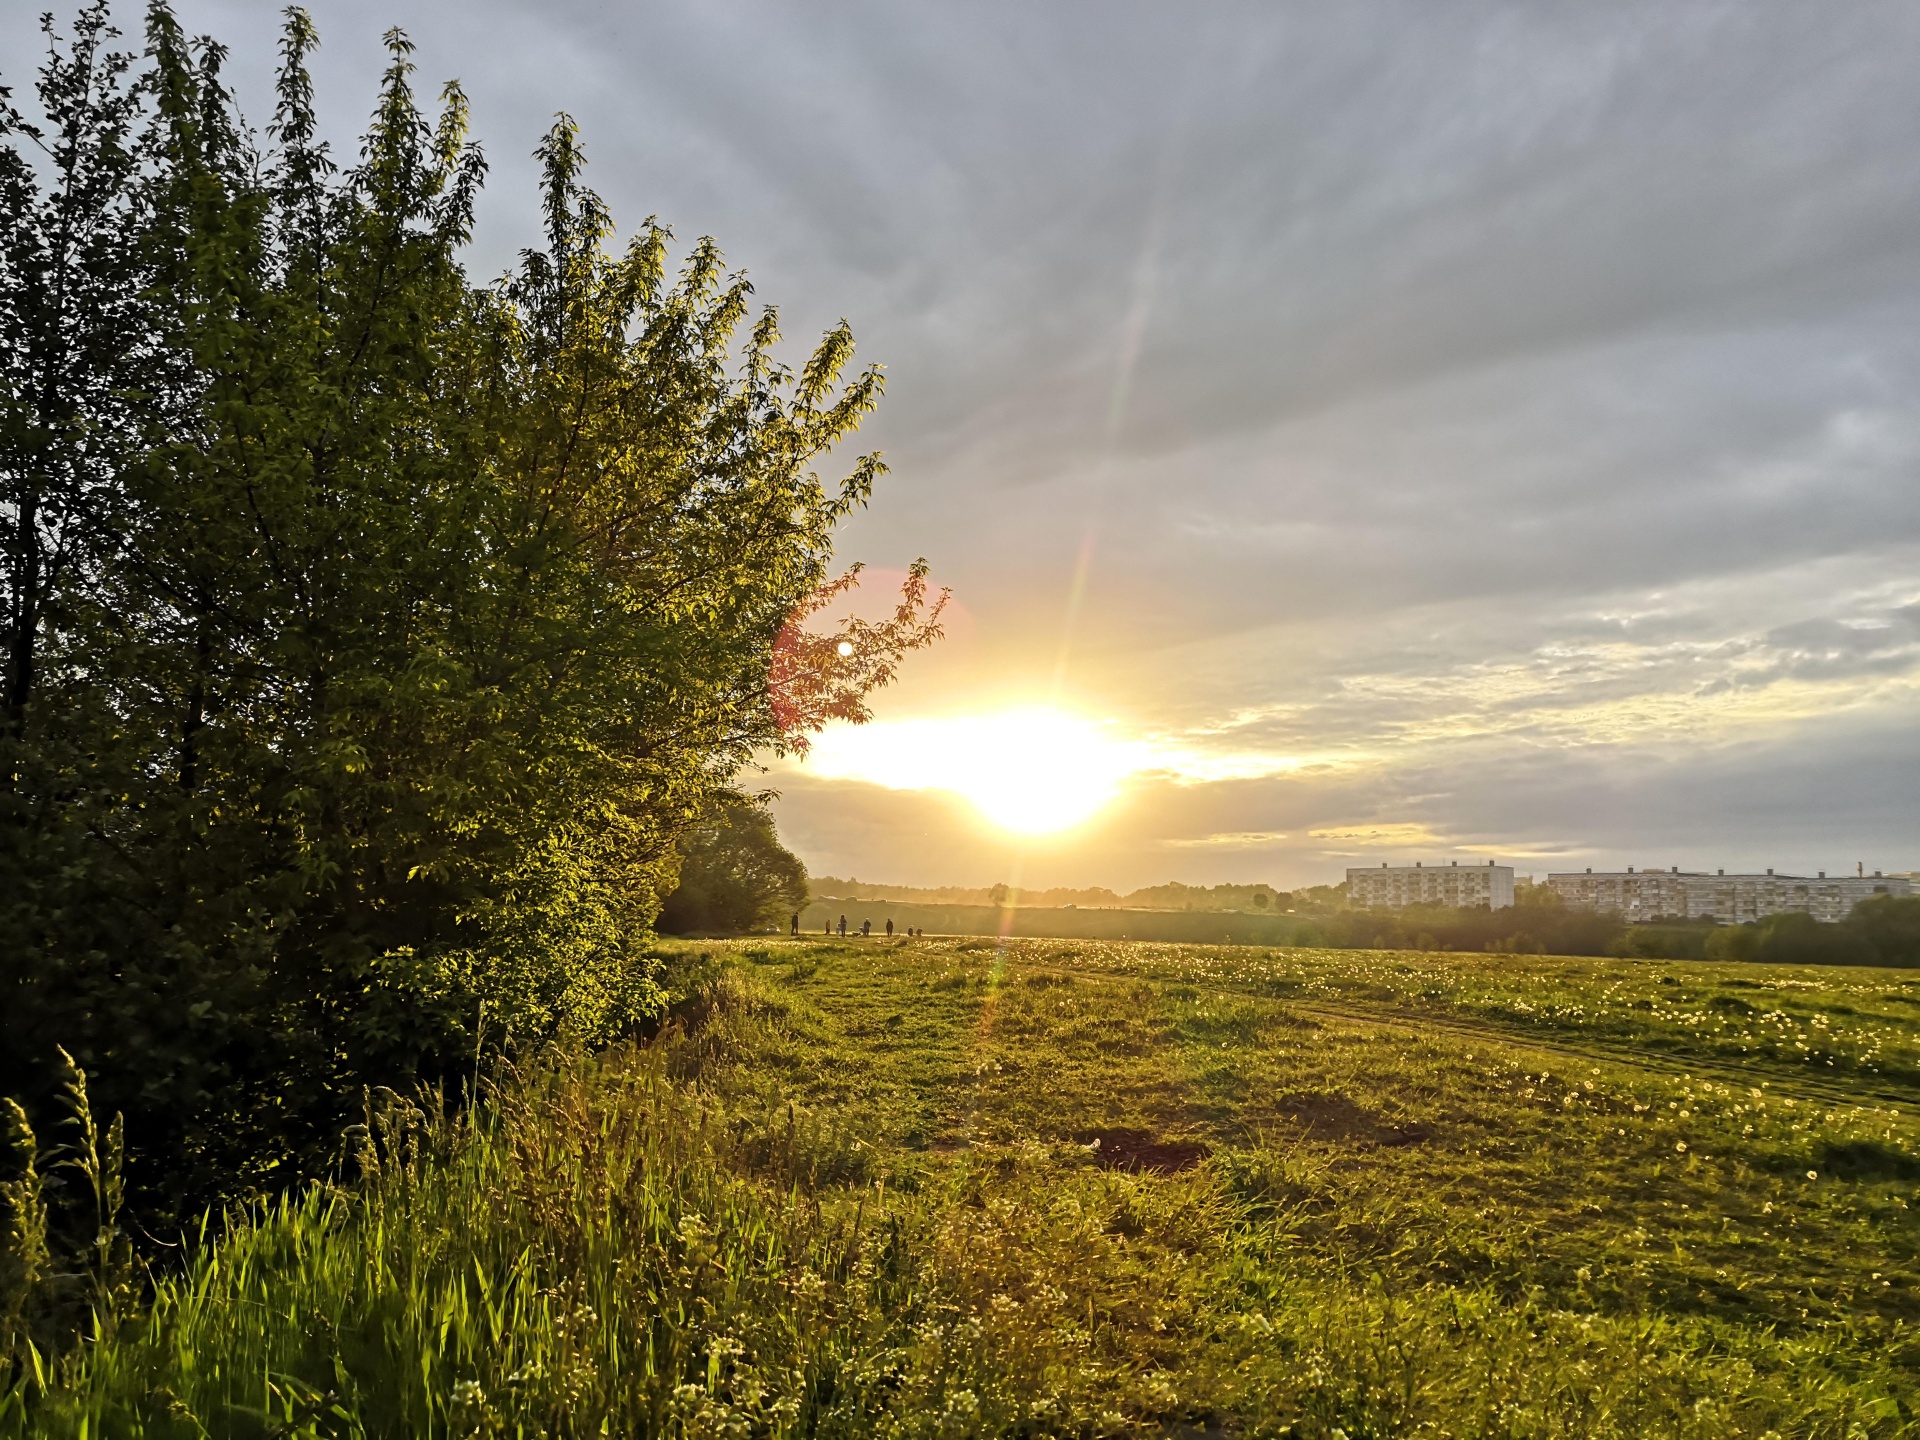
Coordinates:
1391 887
1649 894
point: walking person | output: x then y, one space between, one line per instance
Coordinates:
889 929
843 927
866 929
796 923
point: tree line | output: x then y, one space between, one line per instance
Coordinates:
1884 930
1173 895
374 637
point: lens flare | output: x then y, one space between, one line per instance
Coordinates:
1032 771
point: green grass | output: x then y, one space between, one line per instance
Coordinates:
872 1190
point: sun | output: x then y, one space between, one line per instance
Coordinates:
1034 771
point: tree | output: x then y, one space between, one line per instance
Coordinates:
1891 924
735 875
1793 938
76 361
382 640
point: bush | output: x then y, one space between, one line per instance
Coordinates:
1891 924
736 877
1797 939
1792 939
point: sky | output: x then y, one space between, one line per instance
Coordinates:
1361 432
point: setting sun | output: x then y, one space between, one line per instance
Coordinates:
1033 771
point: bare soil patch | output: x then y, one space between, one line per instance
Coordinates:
1332 1116
1141 1151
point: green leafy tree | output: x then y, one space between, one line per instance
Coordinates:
1891 925
406 623
1793 938
735 875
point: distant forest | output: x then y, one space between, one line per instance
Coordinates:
1883 931
1256 899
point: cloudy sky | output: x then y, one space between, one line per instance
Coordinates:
1385 431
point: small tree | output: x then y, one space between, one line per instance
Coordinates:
1891 924
735 875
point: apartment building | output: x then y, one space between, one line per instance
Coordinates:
1651 894
1391 887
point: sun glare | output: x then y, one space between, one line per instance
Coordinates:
1032 771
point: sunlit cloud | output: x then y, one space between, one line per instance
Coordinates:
1662 669
1037 769
1404 835
1033 771
1186 762
1418 494
1231 840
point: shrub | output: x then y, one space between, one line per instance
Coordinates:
735 875
1891 924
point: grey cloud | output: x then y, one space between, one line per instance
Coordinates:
1839 792
1495 357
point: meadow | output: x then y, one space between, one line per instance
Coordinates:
954 1187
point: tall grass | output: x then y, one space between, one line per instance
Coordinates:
627 1245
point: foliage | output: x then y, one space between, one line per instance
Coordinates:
735 875
370 635
1884 930
1891 925
1531 929
65 1270
1664 942
815 676
858 1195
1262 899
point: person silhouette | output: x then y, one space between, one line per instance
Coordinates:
866 927
796 923
889 929
843 925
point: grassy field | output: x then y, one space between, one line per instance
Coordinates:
952 1188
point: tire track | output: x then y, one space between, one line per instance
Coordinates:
1779 1077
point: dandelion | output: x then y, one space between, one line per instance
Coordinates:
1813 1174
1680 1145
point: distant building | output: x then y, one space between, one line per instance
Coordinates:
1391 887
1695 895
